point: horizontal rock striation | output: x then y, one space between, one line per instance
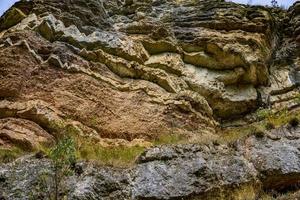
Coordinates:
126 72
144 68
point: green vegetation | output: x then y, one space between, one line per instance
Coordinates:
267 120
124 156
89 149
278 118
170 139
118 156
9 155
261 114
62 158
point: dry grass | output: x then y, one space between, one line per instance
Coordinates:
267 120
117 156
292 195
9 155
124 156
278 118
170 139
233 134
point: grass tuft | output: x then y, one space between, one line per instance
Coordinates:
9 155
118 156
170 139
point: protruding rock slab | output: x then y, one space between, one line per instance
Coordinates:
12 17
23 134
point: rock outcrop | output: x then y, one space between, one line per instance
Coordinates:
237 171
284 67
139 69
126 72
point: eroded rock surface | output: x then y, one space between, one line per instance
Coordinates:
128 72
236 171
141 69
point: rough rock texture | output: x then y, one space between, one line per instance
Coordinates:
284 67
236 171
140 69
125 72
23 133
137 70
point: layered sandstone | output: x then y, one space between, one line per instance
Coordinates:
127 72
138 69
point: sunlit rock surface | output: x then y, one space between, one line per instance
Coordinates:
128 72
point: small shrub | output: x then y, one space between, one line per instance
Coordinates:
63 158
263 113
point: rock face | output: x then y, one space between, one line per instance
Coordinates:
284 67
139 69
237 171
130 71
23 133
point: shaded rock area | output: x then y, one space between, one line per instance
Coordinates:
284 67
237 171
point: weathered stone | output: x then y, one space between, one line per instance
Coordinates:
242 59
176 172
169 62
277 160
23 134
11 18
125 73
